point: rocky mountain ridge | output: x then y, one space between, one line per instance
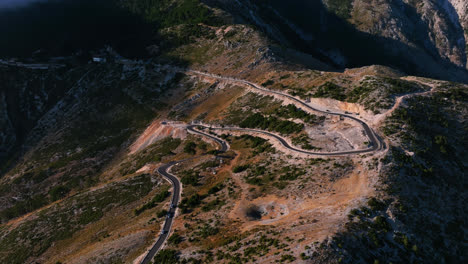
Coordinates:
426 38
82 143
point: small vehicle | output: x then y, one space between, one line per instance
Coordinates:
328 110
170 215
163 232
173 205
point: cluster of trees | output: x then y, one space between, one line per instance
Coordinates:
65 27
240 168
159 197
190 177
190 148
291 111
271 123
188 204
165 13
331 90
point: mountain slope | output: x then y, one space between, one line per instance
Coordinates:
419 38
80 183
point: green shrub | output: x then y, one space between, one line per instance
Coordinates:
207 230
218 187
341 8
190 148
257 120
375 204
268 83
187 204
380 223
161 213
240 168
166 256
159 197
215 204
291 111
22 207
175 239
58 192
330 90
288 258
190 177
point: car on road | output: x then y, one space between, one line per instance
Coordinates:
163 232
173 205
170 215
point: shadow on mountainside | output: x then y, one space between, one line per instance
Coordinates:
311 28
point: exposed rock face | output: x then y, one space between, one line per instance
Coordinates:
428 37
461 8
433 26
25 96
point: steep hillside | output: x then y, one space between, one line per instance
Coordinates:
281 157
423 38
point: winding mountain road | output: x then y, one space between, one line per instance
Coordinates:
176 193
376 143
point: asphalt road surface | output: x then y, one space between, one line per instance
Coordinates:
164 171
376 143
286 144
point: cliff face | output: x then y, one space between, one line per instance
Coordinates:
419 37
25 96
461 7
434 26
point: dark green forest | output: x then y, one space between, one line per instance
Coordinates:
60 27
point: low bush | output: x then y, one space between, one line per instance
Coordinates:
257 120
240 168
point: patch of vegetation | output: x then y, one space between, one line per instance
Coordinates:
257 120
153 153
23 207
207 230
218 187
58 192
291 111
167 14
303 142
341 8
162 213
268 83
61 221
159 197
240 168
215 204
188 204
190 148
175 239
259 145
190 177
287 258
259 176
290 173
331 90
166 256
